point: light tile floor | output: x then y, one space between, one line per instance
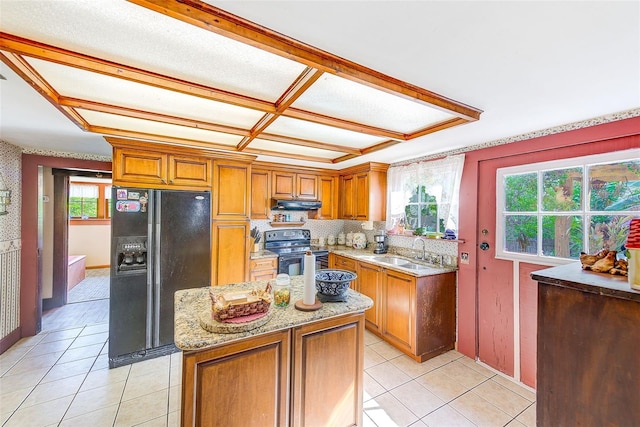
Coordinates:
60 377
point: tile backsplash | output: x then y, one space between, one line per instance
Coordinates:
401 245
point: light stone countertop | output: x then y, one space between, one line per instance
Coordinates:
263 254
190 304
368 256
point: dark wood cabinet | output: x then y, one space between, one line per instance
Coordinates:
588 372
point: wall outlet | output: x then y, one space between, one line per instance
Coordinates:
464 257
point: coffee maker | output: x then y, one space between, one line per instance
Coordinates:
381 244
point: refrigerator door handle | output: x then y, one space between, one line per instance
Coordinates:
151 244
157 284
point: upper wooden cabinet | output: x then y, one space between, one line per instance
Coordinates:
357 193
136 166
363 192
190 171
296 186
232 181
152 165
328 195
260 193
148 167
230 243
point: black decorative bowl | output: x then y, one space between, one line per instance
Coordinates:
332 284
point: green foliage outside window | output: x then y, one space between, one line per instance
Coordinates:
80 207
421 212
560 217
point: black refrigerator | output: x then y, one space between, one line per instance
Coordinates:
160 243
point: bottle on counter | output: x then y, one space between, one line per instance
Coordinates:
341 239
282 290
331 240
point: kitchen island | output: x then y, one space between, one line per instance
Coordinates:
588 361
298 368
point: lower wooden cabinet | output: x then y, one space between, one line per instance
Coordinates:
398 305
417 315
344 263
309 375
328 369
263 268
241 384
370 284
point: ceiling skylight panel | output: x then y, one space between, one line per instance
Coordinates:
86 85
335 96
135 125
279 147
125 33
321 133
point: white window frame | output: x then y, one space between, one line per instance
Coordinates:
584 161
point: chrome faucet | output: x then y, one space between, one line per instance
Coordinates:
418 239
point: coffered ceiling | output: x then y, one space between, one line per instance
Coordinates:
214 80
349 82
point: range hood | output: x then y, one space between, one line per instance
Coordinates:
295 205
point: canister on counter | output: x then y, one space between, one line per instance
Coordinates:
282 290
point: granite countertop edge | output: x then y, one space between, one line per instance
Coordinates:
572 276
190 304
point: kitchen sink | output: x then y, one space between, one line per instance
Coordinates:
412 266
391 260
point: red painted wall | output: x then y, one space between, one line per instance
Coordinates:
30 303
528 323
491 278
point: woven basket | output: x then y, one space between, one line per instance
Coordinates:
231 305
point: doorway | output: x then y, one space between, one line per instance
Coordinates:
76 246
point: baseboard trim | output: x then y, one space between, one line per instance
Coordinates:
97 266
9 340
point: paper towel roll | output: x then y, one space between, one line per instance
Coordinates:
309 296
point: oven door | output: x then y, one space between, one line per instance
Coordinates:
293 264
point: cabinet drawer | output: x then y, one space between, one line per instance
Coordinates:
264 264
343 263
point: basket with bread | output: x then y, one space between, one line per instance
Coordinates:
232 305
